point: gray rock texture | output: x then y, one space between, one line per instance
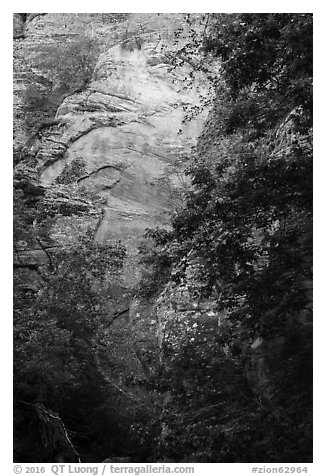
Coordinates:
126 128
116 150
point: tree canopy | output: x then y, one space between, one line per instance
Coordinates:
247 219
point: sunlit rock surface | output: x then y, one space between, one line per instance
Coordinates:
126 130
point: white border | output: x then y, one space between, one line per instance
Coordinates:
319 466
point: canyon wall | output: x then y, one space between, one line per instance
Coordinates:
123 136
115 150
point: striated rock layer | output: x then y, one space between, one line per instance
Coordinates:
124 135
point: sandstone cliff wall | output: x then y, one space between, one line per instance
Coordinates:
125 131
117 149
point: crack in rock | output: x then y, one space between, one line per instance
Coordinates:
123 98
65 145
115 167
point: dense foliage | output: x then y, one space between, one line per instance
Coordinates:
248 220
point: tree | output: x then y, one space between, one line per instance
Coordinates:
248 221
57 329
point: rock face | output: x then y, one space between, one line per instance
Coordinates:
124 135
119 146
